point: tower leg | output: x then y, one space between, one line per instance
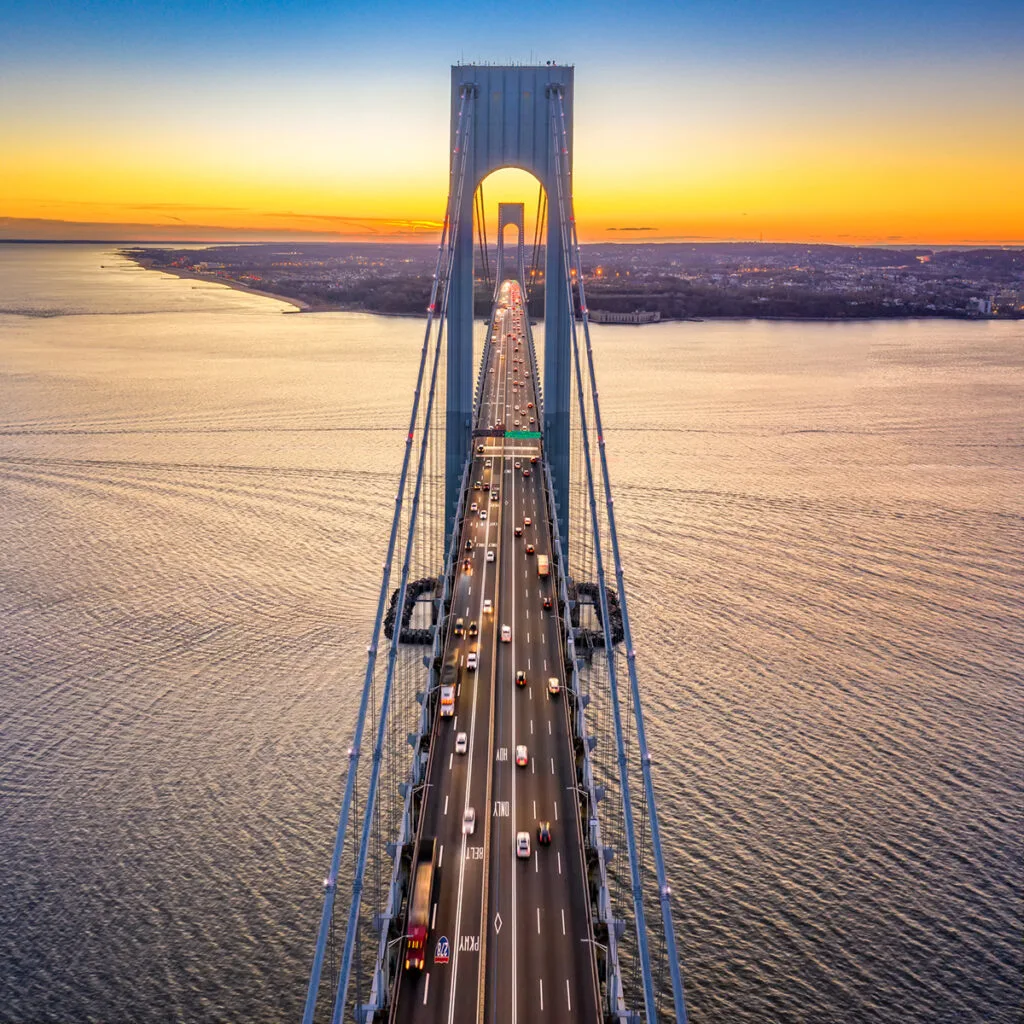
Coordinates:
557 326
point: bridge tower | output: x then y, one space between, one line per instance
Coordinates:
511 128
510 213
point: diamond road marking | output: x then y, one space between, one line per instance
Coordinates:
497 922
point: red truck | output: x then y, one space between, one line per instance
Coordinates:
420 893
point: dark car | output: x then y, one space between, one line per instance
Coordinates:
544 833
474 629
469 544
547 601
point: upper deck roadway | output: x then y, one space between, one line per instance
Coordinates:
518 929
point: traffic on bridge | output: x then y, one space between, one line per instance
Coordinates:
498 922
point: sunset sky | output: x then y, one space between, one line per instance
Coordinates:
898 121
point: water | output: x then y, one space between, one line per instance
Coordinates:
822 527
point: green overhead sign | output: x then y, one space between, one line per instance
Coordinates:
526 434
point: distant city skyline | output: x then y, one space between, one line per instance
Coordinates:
797 121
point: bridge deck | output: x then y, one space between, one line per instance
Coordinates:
518 929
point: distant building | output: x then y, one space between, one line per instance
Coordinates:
982 306
599 316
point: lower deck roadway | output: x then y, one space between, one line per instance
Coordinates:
518 929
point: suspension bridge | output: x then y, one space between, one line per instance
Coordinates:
498 853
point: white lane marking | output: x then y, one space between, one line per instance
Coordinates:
467 610
538 920
536 865
556 812
451 757
440 855
531 694
470 590
527 637
559 862
568 998
426 990
433 916
533 766
540 981
549 728
529 664
535 808
531 726
563 920
552 766
446 803
545 664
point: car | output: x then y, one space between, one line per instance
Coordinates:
467 564
523 845
469 821
554 686
483 513
476 485
529 405
488 606
474 507
490 555
526 472
529 549
518 464
460 627
532 420
544 833
495 496
519 531
480 449
506 634
522 758
517 423
487 485
527 521
473 629
520 678
533 459
471 661
469 544
461 743
547 601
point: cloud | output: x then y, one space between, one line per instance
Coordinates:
42 229
632 229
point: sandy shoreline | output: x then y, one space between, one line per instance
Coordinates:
238 286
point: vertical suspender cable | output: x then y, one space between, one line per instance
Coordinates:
664 891
357 887
565 214
330 883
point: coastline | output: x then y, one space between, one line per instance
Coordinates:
301 306
227 282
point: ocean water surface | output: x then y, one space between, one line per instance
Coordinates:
822 528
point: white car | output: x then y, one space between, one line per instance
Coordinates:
490 555
461 743
469 821
522 759
527 521
554 687
522 845
488 606
474 507
471 661
483 513
506 634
